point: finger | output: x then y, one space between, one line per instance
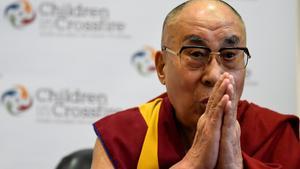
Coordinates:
216 97
231 91
218 92
229 118
218 112
227 123
228 109
216 86
219 82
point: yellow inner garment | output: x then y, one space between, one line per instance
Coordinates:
148 157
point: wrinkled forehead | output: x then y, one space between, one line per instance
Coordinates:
209 16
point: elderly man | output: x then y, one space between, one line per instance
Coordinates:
199 122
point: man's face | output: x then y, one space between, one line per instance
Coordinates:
209 24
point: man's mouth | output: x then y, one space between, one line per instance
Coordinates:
204 101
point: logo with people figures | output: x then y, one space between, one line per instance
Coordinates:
20 13
143 61
16 100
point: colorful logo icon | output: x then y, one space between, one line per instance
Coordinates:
20 13
16 100
143 61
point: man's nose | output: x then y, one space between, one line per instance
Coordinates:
211 73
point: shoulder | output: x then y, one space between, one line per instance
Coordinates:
120 121
121 135
134 117
268 136
260 123
259 114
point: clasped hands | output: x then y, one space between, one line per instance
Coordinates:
216 143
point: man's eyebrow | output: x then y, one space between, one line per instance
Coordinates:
231 41
194 39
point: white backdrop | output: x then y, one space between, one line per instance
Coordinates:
66 63
298 63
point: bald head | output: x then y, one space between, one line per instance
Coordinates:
176 12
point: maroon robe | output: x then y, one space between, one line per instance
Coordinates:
268 140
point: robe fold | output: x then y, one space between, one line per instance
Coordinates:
147 137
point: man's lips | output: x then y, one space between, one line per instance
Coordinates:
204 101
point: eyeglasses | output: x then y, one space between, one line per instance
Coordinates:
195 57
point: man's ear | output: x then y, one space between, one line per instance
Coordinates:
160 65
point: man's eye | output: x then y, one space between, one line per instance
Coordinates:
197 54
228 55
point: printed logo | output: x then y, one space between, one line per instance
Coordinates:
143 61
16 100
20 13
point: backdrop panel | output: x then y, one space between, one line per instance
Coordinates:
66 63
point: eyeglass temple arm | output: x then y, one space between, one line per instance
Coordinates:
168 50
248 53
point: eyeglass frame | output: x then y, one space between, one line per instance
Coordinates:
245 49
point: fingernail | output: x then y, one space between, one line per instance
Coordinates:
225 74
